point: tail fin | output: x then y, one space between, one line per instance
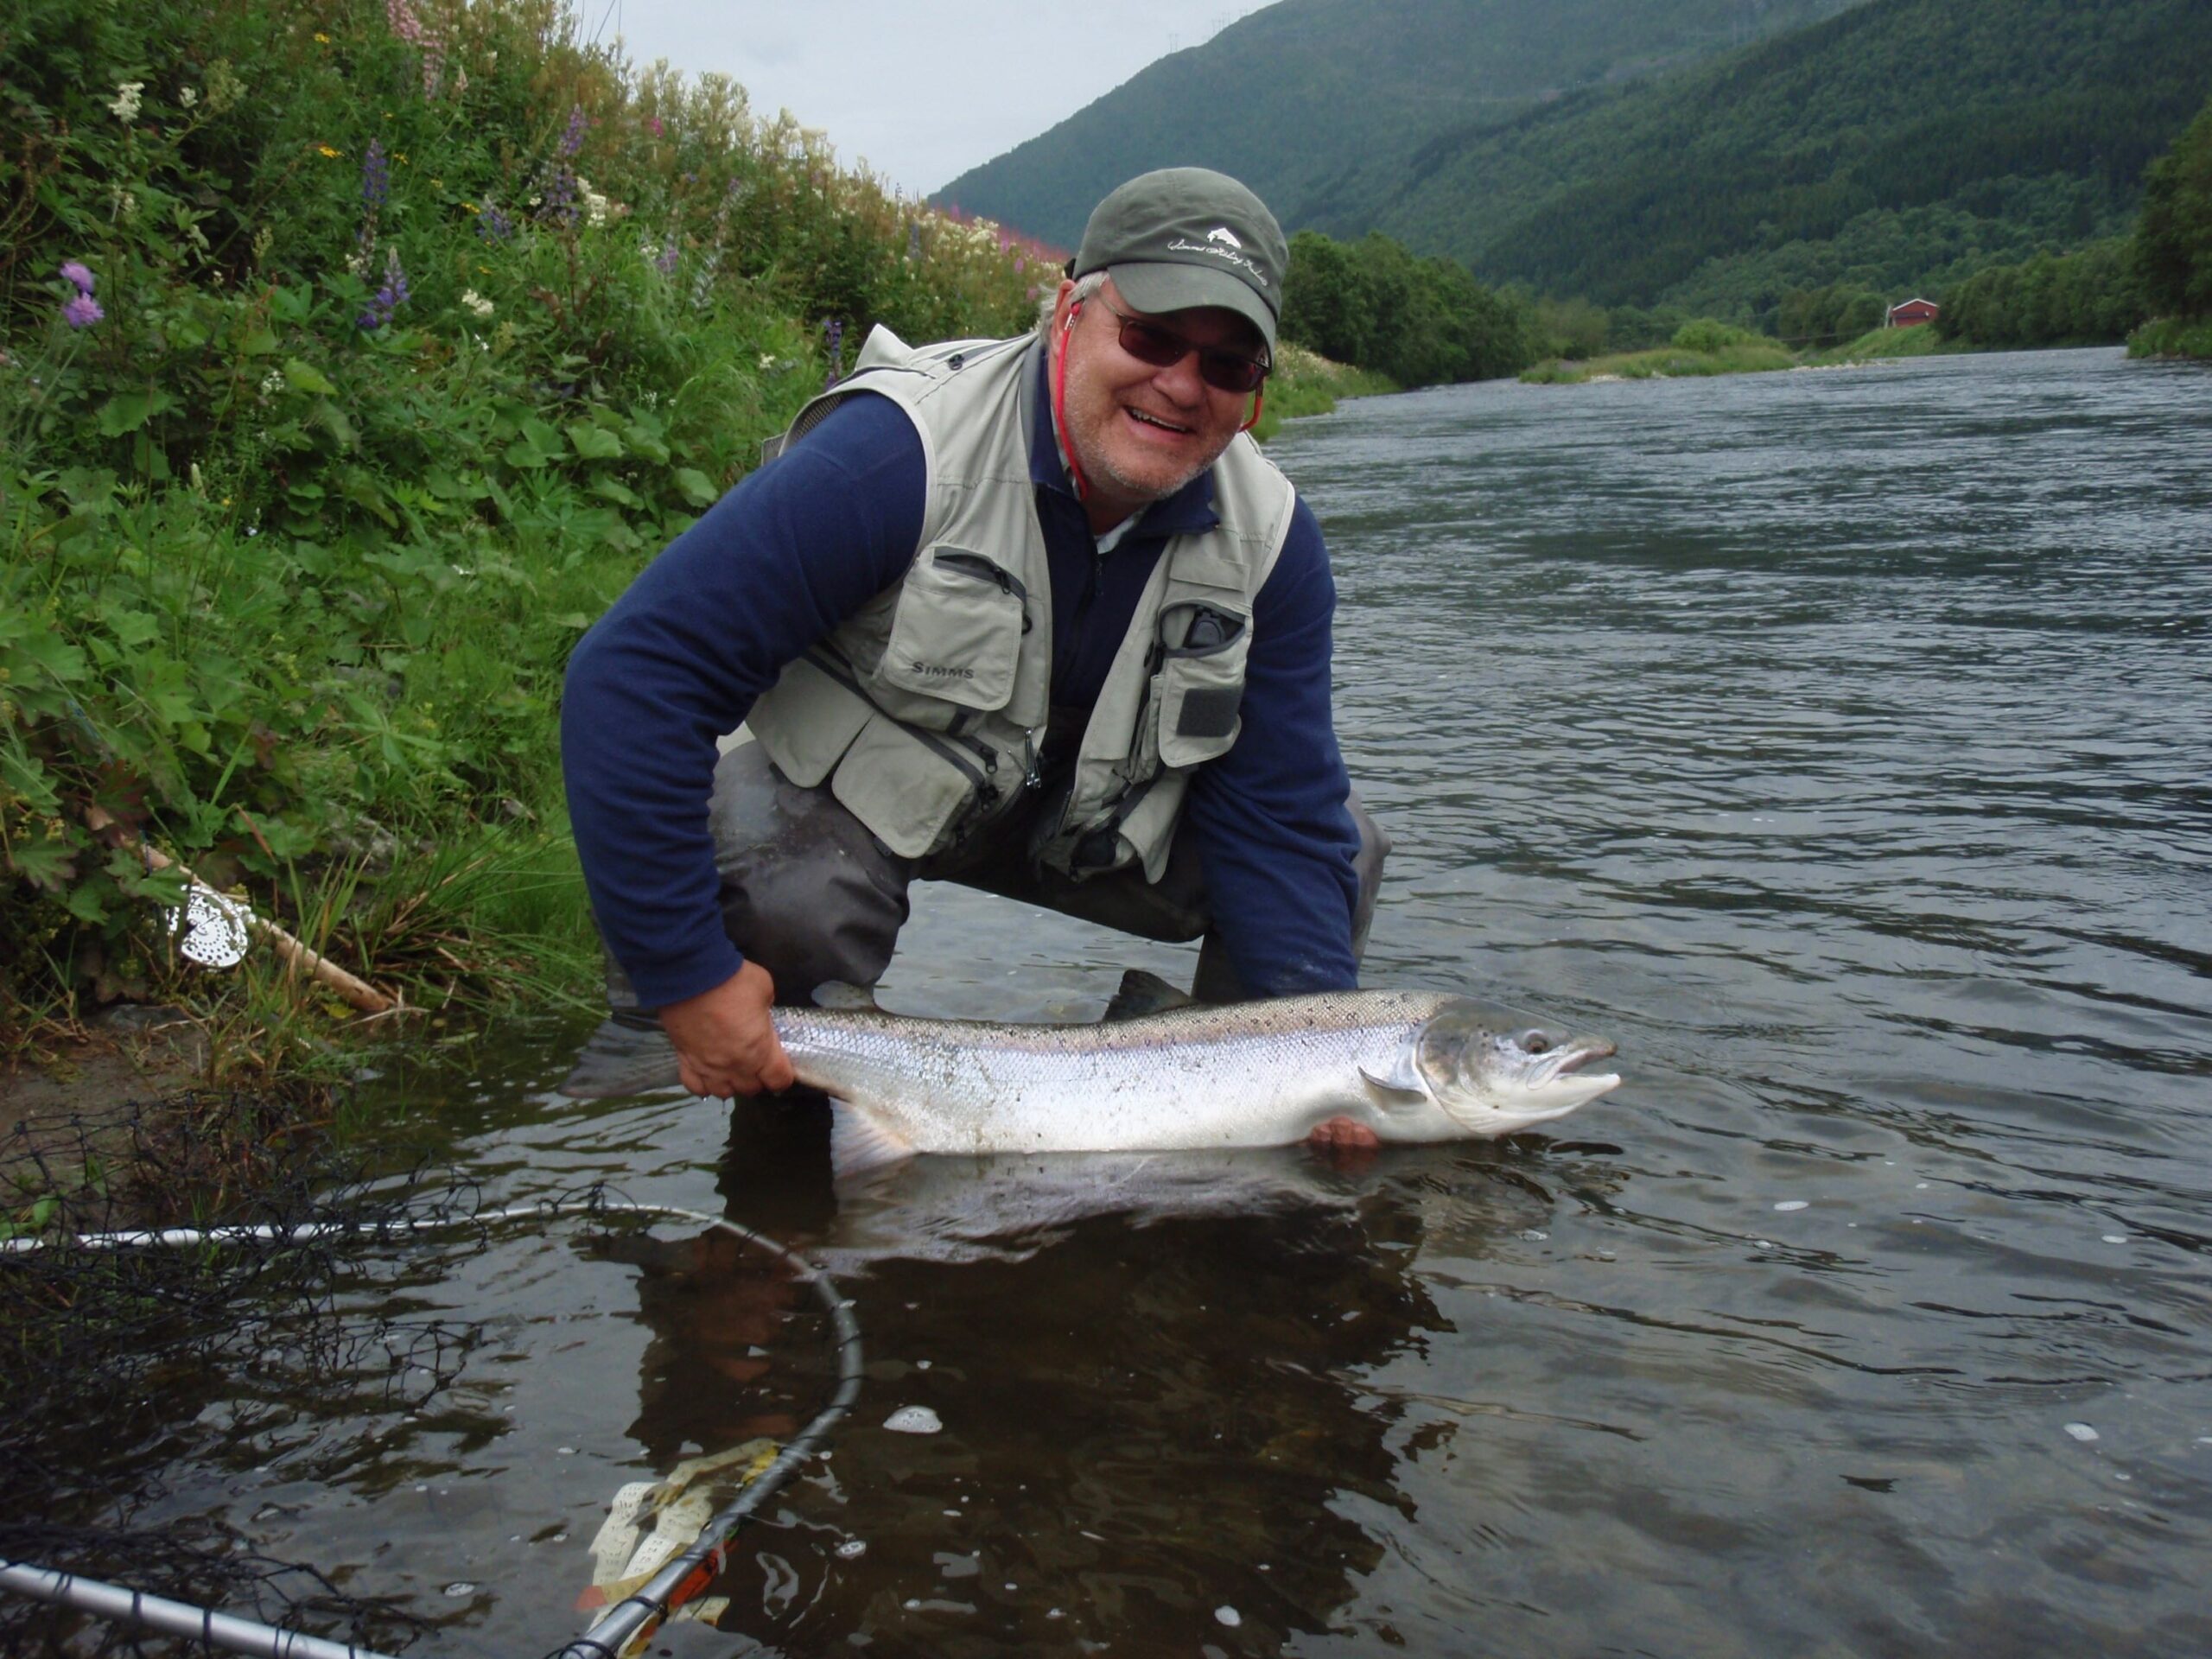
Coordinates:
629 1054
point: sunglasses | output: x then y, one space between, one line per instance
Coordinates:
1163 348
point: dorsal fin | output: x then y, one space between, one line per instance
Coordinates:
1143 992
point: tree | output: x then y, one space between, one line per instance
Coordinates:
2173 239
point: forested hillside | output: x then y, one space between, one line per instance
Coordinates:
1901 145
1319 105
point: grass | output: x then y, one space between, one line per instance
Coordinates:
1306 383
351 364
2173 337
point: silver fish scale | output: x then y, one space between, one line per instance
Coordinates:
1252 1074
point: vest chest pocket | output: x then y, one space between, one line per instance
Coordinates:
1200 685
957 631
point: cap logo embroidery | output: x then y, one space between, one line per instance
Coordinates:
1209 246
1222 233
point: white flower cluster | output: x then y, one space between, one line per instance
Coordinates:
476 302
597 208
124 104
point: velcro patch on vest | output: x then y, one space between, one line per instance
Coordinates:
1208 711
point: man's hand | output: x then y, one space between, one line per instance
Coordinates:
725 1040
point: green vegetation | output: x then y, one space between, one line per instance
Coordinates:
1701 347
2173 247
1899 147
1306 383
2089 297
354 358
1416 321
1322 105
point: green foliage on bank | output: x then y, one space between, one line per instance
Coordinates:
2173 247
2092 296
1416 321
355 357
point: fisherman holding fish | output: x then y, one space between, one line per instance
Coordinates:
1034 615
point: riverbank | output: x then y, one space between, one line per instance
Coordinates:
2173 337
1734 351
1305 382
353 365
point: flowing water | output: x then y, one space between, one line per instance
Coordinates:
1841 744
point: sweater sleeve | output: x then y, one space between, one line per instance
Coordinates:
790 552
1276 841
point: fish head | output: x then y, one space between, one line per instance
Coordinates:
1494 1077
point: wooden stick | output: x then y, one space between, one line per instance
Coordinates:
358 992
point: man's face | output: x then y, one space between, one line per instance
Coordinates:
1141 433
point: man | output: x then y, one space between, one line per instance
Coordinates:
1031 616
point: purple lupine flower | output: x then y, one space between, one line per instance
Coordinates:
76 273
560 202
573 139
669 254
387 299
375 175
492 225
82 311
833 333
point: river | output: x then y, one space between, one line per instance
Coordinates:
1839 742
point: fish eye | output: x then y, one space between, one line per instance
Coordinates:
1535 1042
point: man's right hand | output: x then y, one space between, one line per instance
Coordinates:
726 1041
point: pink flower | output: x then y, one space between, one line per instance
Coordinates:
82 311
77 273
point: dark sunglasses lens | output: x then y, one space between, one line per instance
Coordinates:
1148 342
1226 372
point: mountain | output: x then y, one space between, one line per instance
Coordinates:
1321 105
1653 153
1903 144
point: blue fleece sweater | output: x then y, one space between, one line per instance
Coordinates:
801 544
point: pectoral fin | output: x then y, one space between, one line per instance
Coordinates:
860 1141
1400 1082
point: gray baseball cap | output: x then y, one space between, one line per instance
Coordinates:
1187 236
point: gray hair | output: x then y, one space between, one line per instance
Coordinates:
1086 285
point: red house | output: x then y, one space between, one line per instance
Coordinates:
1913 311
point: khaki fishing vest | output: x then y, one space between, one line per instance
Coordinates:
924 710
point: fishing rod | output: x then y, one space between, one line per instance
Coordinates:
623 1627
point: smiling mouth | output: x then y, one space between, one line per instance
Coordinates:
1143 419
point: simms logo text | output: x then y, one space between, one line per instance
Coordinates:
939 671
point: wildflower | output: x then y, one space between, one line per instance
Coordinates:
389 298
124 104
492 225
459 82
82 312
333 155
272 382
476 302
322 39
833 334
188 97
376 176
767 359
653 123
78 275
223 86
573 139
666 262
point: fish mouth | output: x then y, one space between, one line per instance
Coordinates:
1564 1071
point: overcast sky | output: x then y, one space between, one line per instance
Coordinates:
922 90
